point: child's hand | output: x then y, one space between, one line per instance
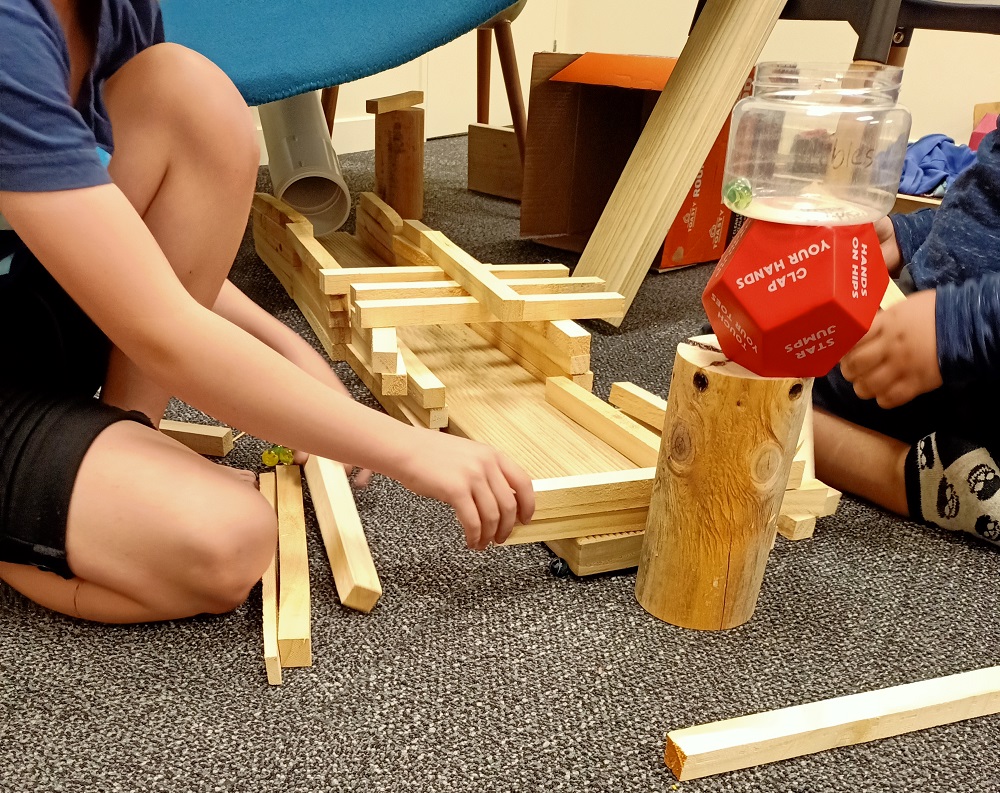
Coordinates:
897 359
890 247
486 489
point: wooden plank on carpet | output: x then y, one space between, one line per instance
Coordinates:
294 630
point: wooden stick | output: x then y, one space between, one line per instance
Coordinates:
639 404
676 140
387 104
566 496
269 593
200 438
425 387
845 721
617 430
379 211
329 100
586 525
294 642
354 573
338 280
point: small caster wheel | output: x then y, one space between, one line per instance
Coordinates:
559 568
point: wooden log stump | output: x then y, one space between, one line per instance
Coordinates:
728 443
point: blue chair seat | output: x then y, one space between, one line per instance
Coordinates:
272 50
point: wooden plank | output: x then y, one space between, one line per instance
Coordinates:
294 639
200 438
507 338
390 404
749 741
566 496
893 294
383 214
338 281
373 236
354 573
399 160
676 139
494 401
277 210
581 306
416 290
528 342
626 436
474 276
639 404
421 383
409 254
796 474
386 383
431 311
913 203
811 498
269 592
494 162
310 252
385 355
387 104
599 554
349 251
550 529
796 527
564 334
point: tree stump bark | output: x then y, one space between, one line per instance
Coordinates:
728 442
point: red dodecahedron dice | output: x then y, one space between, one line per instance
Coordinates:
790 301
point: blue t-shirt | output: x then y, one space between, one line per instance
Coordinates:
46 141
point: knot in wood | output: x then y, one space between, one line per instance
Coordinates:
795 391
765 464
700 381
681 445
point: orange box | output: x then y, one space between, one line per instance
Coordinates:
585 114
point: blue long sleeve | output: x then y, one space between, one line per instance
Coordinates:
968 330
911 230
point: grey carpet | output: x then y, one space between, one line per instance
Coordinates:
483 672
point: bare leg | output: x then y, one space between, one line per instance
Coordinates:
186 157
155 532
860 461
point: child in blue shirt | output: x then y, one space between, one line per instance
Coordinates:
127 167
916 398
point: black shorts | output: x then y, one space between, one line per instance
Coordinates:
53 359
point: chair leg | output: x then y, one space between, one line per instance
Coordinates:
484 52
900 46
508 64
329 100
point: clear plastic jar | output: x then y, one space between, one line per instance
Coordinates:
817 144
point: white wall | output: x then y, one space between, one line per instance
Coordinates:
946 73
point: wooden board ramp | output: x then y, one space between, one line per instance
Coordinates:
471 374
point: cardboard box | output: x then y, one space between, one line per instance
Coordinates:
585 114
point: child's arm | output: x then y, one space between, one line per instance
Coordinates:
950 334
239 309
99 250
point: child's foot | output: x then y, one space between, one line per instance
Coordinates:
954 484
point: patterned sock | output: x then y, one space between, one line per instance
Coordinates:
954 484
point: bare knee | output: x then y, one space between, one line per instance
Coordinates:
228 550
195 110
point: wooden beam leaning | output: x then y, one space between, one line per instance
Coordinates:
201 438
617 430
639 403
676 140
269 592
354 573
294 635
817 726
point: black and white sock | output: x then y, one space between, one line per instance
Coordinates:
954 484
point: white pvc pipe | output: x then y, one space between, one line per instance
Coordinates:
304 167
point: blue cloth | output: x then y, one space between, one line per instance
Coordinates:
272 50
46 141
931 161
